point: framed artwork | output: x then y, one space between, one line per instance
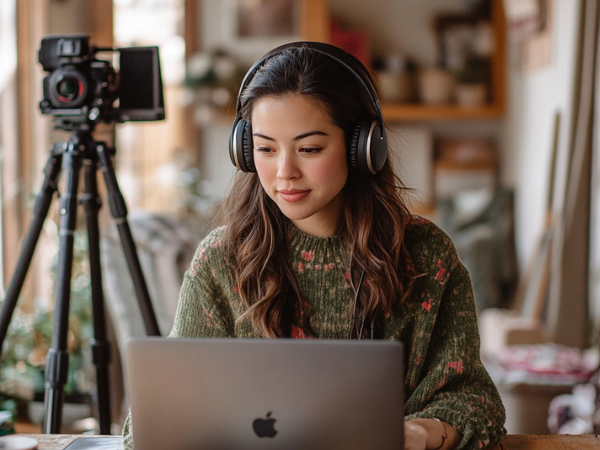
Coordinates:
266 18
249 28
465 47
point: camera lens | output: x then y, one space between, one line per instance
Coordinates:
69 88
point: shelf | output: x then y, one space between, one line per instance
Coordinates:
315 26
419 112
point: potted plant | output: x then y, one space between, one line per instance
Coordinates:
28 340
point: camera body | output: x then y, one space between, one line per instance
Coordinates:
81 90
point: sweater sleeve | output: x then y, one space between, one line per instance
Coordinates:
204 308
456 387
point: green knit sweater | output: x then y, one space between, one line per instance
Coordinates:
444 379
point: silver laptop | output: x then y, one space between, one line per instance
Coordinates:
246 394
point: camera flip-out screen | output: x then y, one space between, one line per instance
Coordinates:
141 94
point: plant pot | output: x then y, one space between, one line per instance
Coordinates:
396 87
436 86
471 94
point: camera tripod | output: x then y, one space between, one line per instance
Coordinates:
80 151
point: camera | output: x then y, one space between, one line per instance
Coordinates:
81 90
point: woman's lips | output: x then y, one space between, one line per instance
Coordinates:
293 195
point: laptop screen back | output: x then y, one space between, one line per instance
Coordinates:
234 394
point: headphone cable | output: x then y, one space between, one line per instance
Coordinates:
357 293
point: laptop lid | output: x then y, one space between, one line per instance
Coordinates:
234 394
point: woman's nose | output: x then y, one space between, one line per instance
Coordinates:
287 167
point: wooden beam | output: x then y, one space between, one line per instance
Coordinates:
192 134
100 29
192 42
100 16
499 68
314 20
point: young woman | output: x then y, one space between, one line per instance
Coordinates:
318 243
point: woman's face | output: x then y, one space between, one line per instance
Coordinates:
300 158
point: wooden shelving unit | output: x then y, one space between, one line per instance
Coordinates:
314 18
419 112
315 27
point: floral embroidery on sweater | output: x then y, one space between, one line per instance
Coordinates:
441 273
298 333
456 365
308 256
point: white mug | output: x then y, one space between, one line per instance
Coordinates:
17 442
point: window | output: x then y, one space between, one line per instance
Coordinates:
150 155
8 124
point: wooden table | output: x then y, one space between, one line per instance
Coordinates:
550 442
510 442
61 441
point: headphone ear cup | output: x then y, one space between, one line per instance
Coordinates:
368 148
353 148
240 146
377 148
247 150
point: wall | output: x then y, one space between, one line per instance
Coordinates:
68 17
533 99
216 166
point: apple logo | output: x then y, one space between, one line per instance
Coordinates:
265 427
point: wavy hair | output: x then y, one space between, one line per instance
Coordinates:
375 214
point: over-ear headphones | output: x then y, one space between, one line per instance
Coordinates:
367 149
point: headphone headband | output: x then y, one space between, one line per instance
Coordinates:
348 60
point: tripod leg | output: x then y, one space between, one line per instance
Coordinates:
42 205
118 210
57 359
100 347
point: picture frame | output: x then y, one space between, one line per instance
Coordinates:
266 18
465 48
455 34
248 29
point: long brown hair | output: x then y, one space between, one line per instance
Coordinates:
375 215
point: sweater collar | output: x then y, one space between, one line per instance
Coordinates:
300 239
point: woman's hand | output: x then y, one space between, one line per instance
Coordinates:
415 436
429 434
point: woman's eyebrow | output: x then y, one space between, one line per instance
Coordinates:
297 138
264 136
310 133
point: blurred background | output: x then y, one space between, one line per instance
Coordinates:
491 107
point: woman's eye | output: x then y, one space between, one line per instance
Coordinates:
263 149
311 151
